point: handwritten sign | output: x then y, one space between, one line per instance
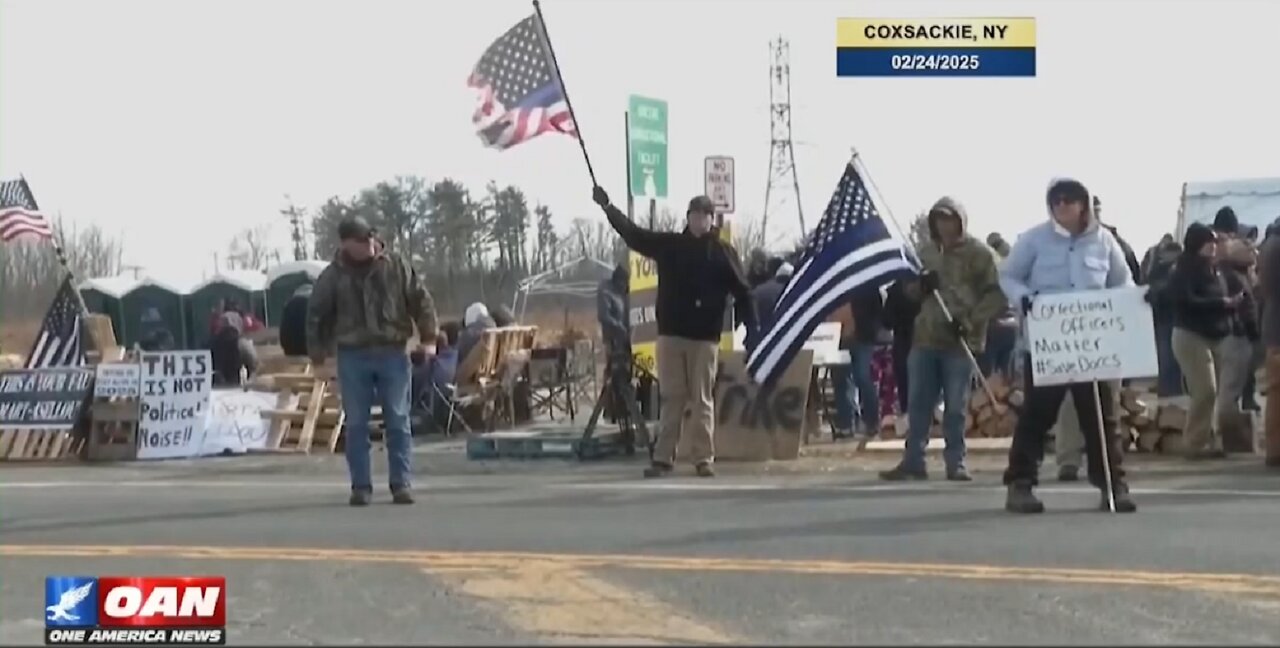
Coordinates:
43 399
117 380
1087 336
175 388
235 423
755 423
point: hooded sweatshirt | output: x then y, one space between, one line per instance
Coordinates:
1048 259
1198 290
967 282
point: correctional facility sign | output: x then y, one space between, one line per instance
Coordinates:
950 47
1094 335
647 137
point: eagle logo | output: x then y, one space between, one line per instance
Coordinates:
70 599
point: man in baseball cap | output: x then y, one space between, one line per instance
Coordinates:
697 272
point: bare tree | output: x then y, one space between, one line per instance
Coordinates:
249 249
30 274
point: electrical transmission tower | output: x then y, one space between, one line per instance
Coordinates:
782 153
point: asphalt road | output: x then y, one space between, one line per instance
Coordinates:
811 552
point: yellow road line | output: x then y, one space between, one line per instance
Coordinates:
567 605
1210 582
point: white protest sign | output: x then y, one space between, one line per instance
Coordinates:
1095 335
718 182
117 380
234 423
174 403
824 342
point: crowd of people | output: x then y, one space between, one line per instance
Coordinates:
1208 295
1208 299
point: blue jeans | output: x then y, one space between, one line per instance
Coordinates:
934 373
1170 380
998 356
857 374
363 375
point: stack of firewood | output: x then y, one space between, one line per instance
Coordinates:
986 418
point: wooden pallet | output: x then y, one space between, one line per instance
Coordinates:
533 444
39 445
308 415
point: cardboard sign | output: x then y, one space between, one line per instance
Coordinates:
175 387
760 424
235 423
43 399
1094 335
117 380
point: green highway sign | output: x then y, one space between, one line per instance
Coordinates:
647 135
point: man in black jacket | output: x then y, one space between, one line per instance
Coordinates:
697 272
1130 258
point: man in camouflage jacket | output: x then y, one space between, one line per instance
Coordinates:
365 306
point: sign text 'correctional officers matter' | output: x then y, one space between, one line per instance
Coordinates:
975 47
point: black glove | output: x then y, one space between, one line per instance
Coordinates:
1149 295
1026 304
958 328
600 196
928 282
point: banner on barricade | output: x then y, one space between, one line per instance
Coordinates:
43 399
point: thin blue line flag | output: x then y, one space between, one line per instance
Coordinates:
850 249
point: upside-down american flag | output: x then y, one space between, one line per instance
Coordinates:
18 213
520 96
58 344
851 248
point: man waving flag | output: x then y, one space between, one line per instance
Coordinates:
850 248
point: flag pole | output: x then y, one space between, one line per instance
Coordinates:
57 245
942 304
577 126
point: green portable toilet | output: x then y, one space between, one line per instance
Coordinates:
245 287
166 299
283 280
104 296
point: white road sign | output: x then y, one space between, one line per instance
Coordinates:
719 182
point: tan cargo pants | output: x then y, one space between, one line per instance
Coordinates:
1199 359
686 384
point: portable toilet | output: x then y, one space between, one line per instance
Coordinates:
166 299
244 287
104 296
285 279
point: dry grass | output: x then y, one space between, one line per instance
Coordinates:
17 337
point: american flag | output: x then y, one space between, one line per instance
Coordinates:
59 343
520 96
851 248
18 213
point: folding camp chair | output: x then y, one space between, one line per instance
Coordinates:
448 401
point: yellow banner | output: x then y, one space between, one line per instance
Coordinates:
936 32
644 272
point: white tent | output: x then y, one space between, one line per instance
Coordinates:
1256 202
551 282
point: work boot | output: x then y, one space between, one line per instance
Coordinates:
1124 502
1022 500
899 473
959 474
657 469
1068 473
360 496
401 495
704 469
